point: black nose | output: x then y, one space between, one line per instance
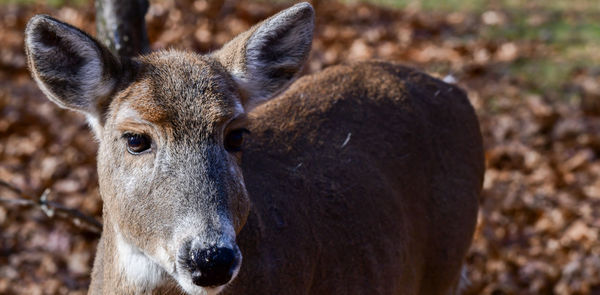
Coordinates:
212 267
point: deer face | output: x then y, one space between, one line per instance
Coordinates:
169 167
171 127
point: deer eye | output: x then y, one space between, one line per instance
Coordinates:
234 140
137 143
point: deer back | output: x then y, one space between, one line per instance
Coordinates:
367 173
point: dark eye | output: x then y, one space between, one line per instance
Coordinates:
137 143
234 140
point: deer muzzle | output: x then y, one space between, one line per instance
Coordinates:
210 265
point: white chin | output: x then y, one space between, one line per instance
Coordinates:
192 289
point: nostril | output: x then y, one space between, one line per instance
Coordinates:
212 266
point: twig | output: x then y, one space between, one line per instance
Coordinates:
52 209
10 187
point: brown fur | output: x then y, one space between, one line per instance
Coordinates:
361 179
392 211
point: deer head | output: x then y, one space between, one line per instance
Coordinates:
170 126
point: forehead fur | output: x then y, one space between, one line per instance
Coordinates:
182 89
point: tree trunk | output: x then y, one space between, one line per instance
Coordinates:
121 26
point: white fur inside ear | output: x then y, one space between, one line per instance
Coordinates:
91 74
290 34
86 80
281 43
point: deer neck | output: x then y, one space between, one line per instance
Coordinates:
121 268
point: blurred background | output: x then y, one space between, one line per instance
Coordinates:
531 69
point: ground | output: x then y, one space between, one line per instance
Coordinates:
532 71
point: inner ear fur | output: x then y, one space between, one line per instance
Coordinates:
269 56
70 67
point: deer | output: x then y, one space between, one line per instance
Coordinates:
228 173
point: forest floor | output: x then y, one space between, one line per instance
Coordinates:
531 71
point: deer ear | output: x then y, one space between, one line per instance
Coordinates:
269 56
70 67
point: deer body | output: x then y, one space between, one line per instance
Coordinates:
390 212
361 179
